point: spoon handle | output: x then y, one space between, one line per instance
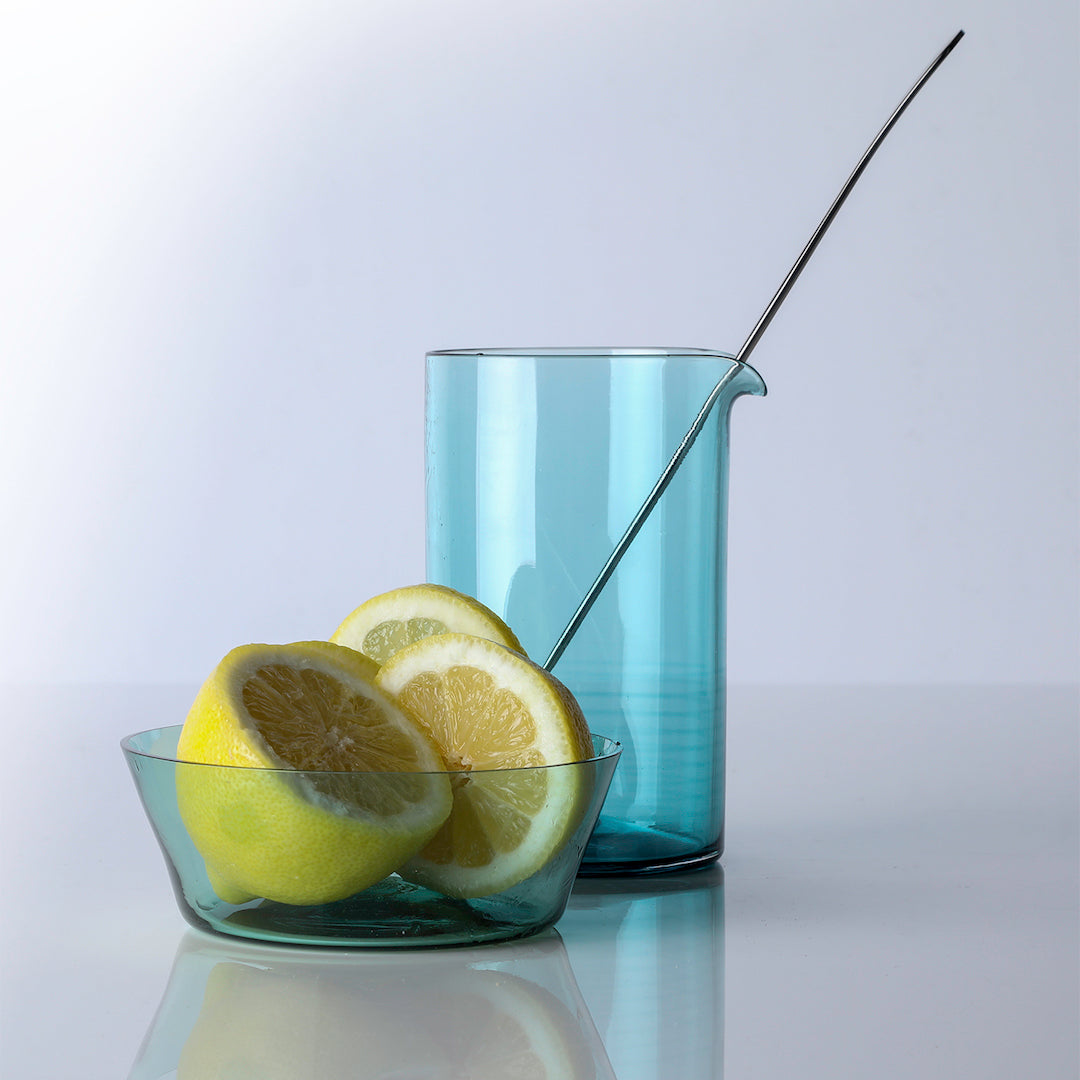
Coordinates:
748 347
811 244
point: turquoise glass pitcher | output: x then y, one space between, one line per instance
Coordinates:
536 461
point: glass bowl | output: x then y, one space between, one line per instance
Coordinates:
393 911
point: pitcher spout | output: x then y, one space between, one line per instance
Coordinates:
746 380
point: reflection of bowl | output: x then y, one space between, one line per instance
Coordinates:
239 1009
392 911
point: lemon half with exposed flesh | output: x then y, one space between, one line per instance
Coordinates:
372 791
497 719
386 623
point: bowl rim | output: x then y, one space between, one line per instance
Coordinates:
605 748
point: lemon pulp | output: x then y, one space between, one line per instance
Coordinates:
498 720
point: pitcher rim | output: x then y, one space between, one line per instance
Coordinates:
586 351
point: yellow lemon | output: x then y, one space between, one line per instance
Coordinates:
497 719
371 792
388 622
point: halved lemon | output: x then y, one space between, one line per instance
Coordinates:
386 623
499 720
370 795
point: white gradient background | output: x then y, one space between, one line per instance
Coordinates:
231 230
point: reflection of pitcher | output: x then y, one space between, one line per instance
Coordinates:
282 1014
649 955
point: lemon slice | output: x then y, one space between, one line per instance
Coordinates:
371 793
392 620
497 718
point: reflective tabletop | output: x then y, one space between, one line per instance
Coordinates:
898 897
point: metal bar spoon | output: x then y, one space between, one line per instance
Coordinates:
740 357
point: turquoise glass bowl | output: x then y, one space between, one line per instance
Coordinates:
392 912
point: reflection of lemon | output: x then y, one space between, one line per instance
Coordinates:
488 708
496 1025
325 834
427 1021
389 622
295 1023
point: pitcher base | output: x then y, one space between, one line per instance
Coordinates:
621 848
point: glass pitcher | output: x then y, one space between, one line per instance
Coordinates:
536 462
